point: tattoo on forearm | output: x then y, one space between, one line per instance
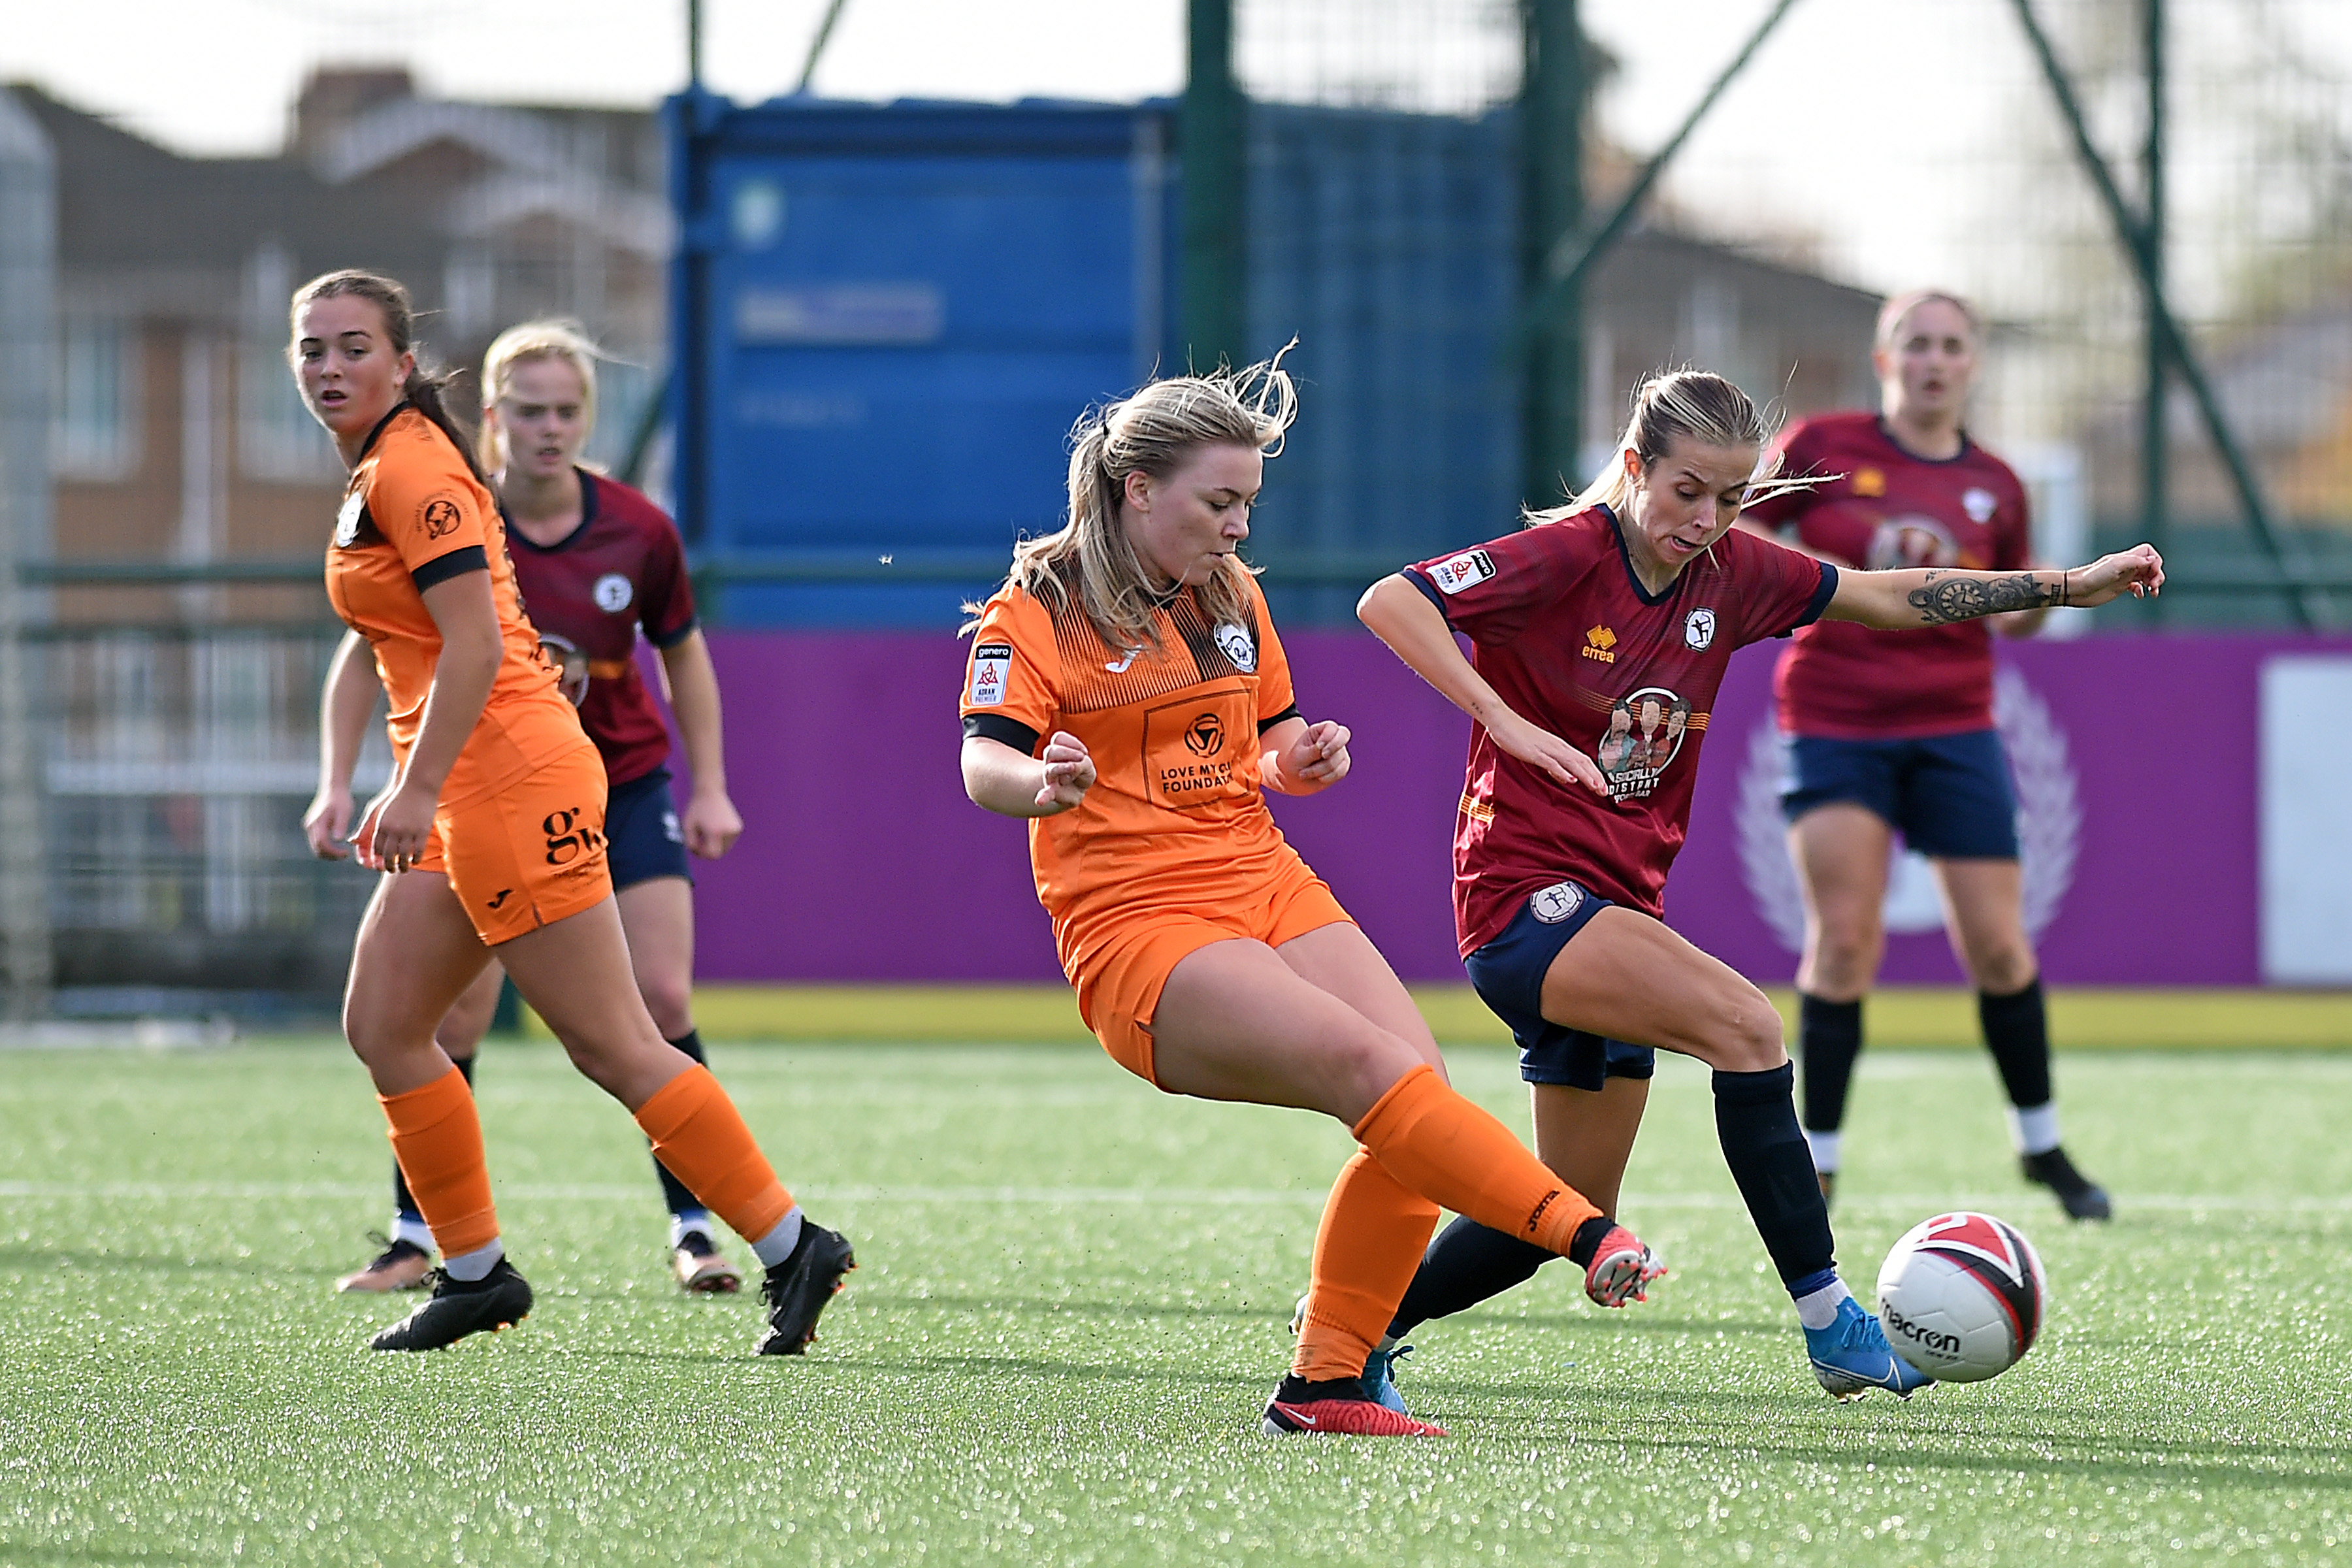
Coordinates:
1943 599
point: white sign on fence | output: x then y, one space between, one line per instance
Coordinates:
2307 830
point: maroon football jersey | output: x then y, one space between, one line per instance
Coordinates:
589 593
1563 630
1858 683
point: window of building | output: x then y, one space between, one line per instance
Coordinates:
94 429
276 439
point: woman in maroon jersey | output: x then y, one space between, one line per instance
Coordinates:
598 564
1636 594
1888 735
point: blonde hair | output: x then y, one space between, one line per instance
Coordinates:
1152 431
525 344
1892 313
1696 405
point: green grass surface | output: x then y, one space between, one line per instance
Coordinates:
1071 1307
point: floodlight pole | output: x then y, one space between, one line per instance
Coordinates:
693 45
1551 163
2154 443
2310 602
1212 126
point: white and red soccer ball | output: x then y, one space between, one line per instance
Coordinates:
1962 1296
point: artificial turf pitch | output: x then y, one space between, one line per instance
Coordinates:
1070 1309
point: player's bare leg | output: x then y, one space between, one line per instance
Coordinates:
1629 977
1984 910
1237 1020
416 954
1842 852
405 1258
1587 1137
576 975
657 918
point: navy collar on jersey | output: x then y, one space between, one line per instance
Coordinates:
1625 556
587 516
1886 432
365 447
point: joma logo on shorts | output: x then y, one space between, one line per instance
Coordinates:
568 837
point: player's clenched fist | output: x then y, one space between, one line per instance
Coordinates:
1318 757
1069 773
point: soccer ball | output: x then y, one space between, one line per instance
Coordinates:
1962 1296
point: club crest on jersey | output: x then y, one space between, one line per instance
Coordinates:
1645 736
1698 629
1237 646
1554 904
991 669
1978 503
1467 570
1598 642
347 520
612 593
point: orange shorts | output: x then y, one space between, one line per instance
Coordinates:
1119 990
530 853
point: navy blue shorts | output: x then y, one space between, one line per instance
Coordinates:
1949 795
1508 975
643 838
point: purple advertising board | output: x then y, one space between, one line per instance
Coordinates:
2135 757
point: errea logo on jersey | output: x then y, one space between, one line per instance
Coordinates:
992 667
1467 570
1598 642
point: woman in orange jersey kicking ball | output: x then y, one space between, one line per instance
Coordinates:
597 565
1127 692
497 797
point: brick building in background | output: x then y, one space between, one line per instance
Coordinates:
177 432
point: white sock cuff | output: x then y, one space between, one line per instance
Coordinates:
691 1220
1825 1147
2034 1128
777 1245
1819 1308
414 1232
475 1265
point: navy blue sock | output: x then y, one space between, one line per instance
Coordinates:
1466 1264
1829 1038
2017 1032
675 1193
1756 1121
404 1202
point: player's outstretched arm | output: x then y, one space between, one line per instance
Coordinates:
345 703
1401 616
1011 784
393 833
1298 758
1940 596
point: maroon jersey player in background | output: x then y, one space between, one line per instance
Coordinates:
1632 599
1886 734
598 564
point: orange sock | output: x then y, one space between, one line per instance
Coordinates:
437 1139
1369 1245
1449 1151
701 1136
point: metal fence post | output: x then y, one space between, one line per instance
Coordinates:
1213 127
1551 159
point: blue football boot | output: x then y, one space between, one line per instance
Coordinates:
1379 1378
1852 1357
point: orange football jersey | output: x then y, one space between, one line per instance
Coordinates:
1177 817
413 515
